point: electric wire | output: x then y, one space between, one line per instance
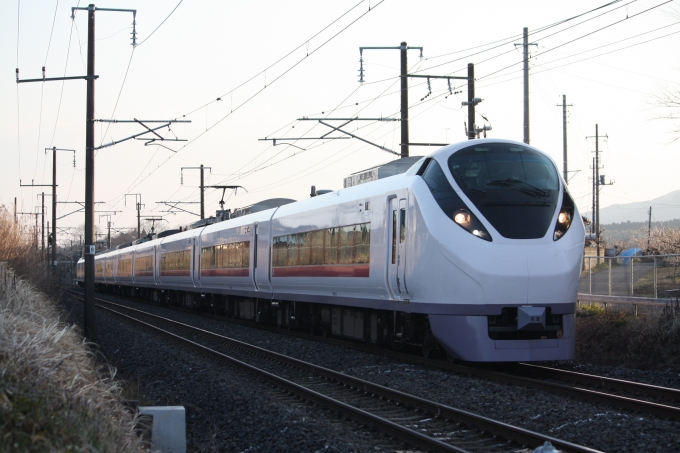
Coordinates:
509 40
540 29
49 44
18 104
576 39
159 26
117 99
262 89
312 145
277 77
285 56
580 61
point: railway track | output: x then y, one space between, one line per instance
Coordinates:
628 395
415 420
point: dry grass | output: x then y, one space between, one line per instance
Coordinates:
617 337
53 395
18 247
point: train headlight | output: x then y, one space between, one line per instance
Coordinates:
565 217
467 220
461 217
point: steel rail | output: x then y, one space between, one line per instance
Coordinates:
401 432
520 435
601 381
635 405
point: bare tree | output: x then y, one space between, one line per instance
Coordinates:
667 101
661 240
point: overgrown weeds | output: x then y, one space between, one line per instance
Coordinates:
53 395
616 337
19 247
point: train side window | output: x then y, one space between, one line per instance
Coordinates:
447 198
394 237
292 258
402 225
316 244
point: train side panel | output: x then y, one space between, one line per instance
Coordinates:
175 263
332 248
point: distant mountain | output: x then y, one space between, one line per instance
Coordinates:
664 208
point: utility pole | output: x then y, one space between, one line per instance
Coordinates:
403 48
592 223
153 221
649 228
35 229
90 250
201 186
47 255
54 199
564 137
471 104
525 47
89 324
42 213
597 188
15 210
138 202
599 181
404 100
42 228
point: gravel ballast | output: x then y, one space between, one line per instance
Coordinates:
227 410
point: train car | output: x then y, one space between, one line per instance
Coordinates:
476 249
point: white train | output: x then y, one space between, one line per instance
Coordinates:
476 249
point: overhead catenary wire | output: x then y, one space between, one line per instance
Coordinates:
580 61
269 84
17 88
282 58
279 153
576 39
161 24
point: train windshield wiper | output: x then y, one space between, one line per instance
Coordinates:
524 186
468 186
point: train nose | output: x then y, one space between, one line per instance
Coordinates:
530 318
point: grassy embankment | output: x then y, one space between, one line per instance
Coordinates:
617 337
53 395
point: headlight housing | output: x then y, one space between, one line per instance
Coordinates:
467 220
449 201
565 216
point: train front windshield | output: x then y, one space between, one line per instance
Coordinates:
514 187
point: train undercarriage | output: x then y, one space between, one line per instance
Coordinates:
382 327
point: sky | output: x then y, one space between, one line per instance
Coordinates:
242 72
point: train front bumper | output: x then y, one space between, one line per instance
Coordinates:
467 338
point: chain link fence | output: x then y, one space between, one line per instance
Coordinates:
654 276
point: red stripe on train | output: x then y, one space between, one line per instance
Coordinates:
233 272
175 274
341 270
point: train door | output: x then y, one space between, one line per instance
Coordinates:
396 217
253 241
156 265
196 268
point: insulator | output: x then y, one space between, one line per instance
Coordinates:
43 71
449 81
361 70
17 73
